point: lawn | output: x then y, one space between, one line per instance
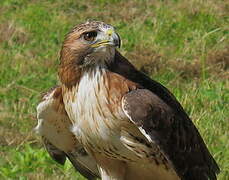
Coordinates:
183 44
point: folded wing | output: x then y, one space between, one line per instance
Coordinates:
55 128
176 137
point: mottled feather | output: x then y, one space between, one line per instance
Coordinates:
178 140
55 128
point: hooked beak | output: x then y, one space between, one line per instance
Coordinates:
110 38
117 40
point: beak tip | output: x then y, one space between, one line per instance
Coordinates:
117 43
117 40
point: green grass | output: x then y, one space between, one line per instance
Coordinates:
182 44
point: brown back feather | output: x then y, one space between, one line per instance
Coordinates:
182 143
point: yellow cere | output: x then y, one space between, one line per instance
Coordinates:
109 32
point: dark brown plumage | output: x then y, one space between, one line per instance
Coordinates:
173 131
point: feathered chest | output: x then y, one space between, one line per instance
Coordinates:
94 106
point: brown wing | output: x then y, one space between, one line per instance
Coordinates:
54 127
55 153
177 138
168 124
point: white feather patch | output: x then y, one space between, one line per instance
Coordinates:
85 110
145 134
76 130
42 111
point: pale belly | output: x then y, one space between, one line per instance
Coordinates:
103 140
98 125
96 115
100 132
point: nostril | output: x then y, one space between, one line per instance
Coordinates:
109 32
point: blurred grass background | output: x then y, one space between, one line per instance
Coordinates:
181 43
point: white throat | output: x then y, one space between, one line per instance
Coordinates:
86 98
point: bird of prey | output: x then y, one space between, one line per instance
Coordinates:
109 115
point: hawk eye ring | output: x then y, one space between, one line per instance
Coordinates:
90 36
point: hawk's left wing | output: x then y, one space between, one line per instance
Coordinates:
55 128
176 138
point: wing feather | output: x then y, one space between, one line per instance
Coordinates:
177 138
54 127
55 153
183 134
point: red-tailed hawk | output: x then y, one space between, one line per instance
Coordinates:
107 113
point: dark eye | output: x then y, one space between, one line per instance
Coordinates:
90 36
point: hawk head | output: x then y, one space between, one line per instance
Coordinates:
88 44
